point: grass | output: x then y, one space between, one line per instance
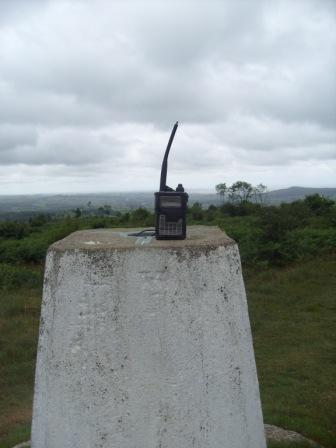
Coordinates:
293 319
19 318
15 434
292 314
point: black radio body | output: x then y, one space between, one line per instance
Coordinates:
170 215
170 205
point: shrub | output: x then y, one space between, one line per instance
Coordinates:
99 224
243 208
308 241
17 276
141 217
246 232
59 230
32 250
39 220
319 205
9 251
13 229
275 222
196 212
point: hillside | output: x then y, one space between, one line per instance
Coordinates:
294 193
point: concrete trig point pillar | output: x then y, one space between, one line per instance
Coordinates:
145 344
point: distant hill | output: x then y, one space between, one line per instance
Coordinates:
24 206
294 193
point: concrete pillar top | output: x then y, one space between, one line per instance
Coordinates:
145 343
119 239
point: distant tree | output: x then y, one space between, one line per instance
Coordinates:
140 214
259 193
212 208
78 212
240 192
38 220
211 212
125 217
107 209
196 211
221 189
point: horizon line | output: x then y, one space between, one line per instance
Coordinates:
191 191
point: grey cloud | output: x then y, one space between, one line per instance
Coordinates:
12 136
264 134
13 10
94 84
50 109
66 146
288 155
148 63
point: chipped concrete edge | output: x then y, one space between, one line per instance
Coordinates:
276 434
23 445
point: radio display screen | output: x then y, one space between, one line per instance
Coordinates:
170 201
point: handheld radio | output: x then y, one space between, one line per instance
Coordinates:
170 204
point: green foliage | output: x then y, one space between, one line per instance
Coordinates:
195 212
17 276
123 218
319 204
301 243
39 220
270 235
243 208
267 235
17 433
240 191
221 190
274 235
78 212
13 229
140 214
247 232
33 247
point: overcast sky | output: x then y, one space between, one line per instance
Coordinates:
89 92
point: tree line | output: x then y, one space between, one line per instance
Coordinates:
240 192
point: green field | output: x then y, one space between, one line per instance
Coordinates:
292 312
293 319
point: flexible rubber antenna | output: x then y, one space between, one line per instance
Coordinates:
163 179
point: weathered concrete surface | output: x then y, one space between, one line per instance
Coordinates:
145 344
